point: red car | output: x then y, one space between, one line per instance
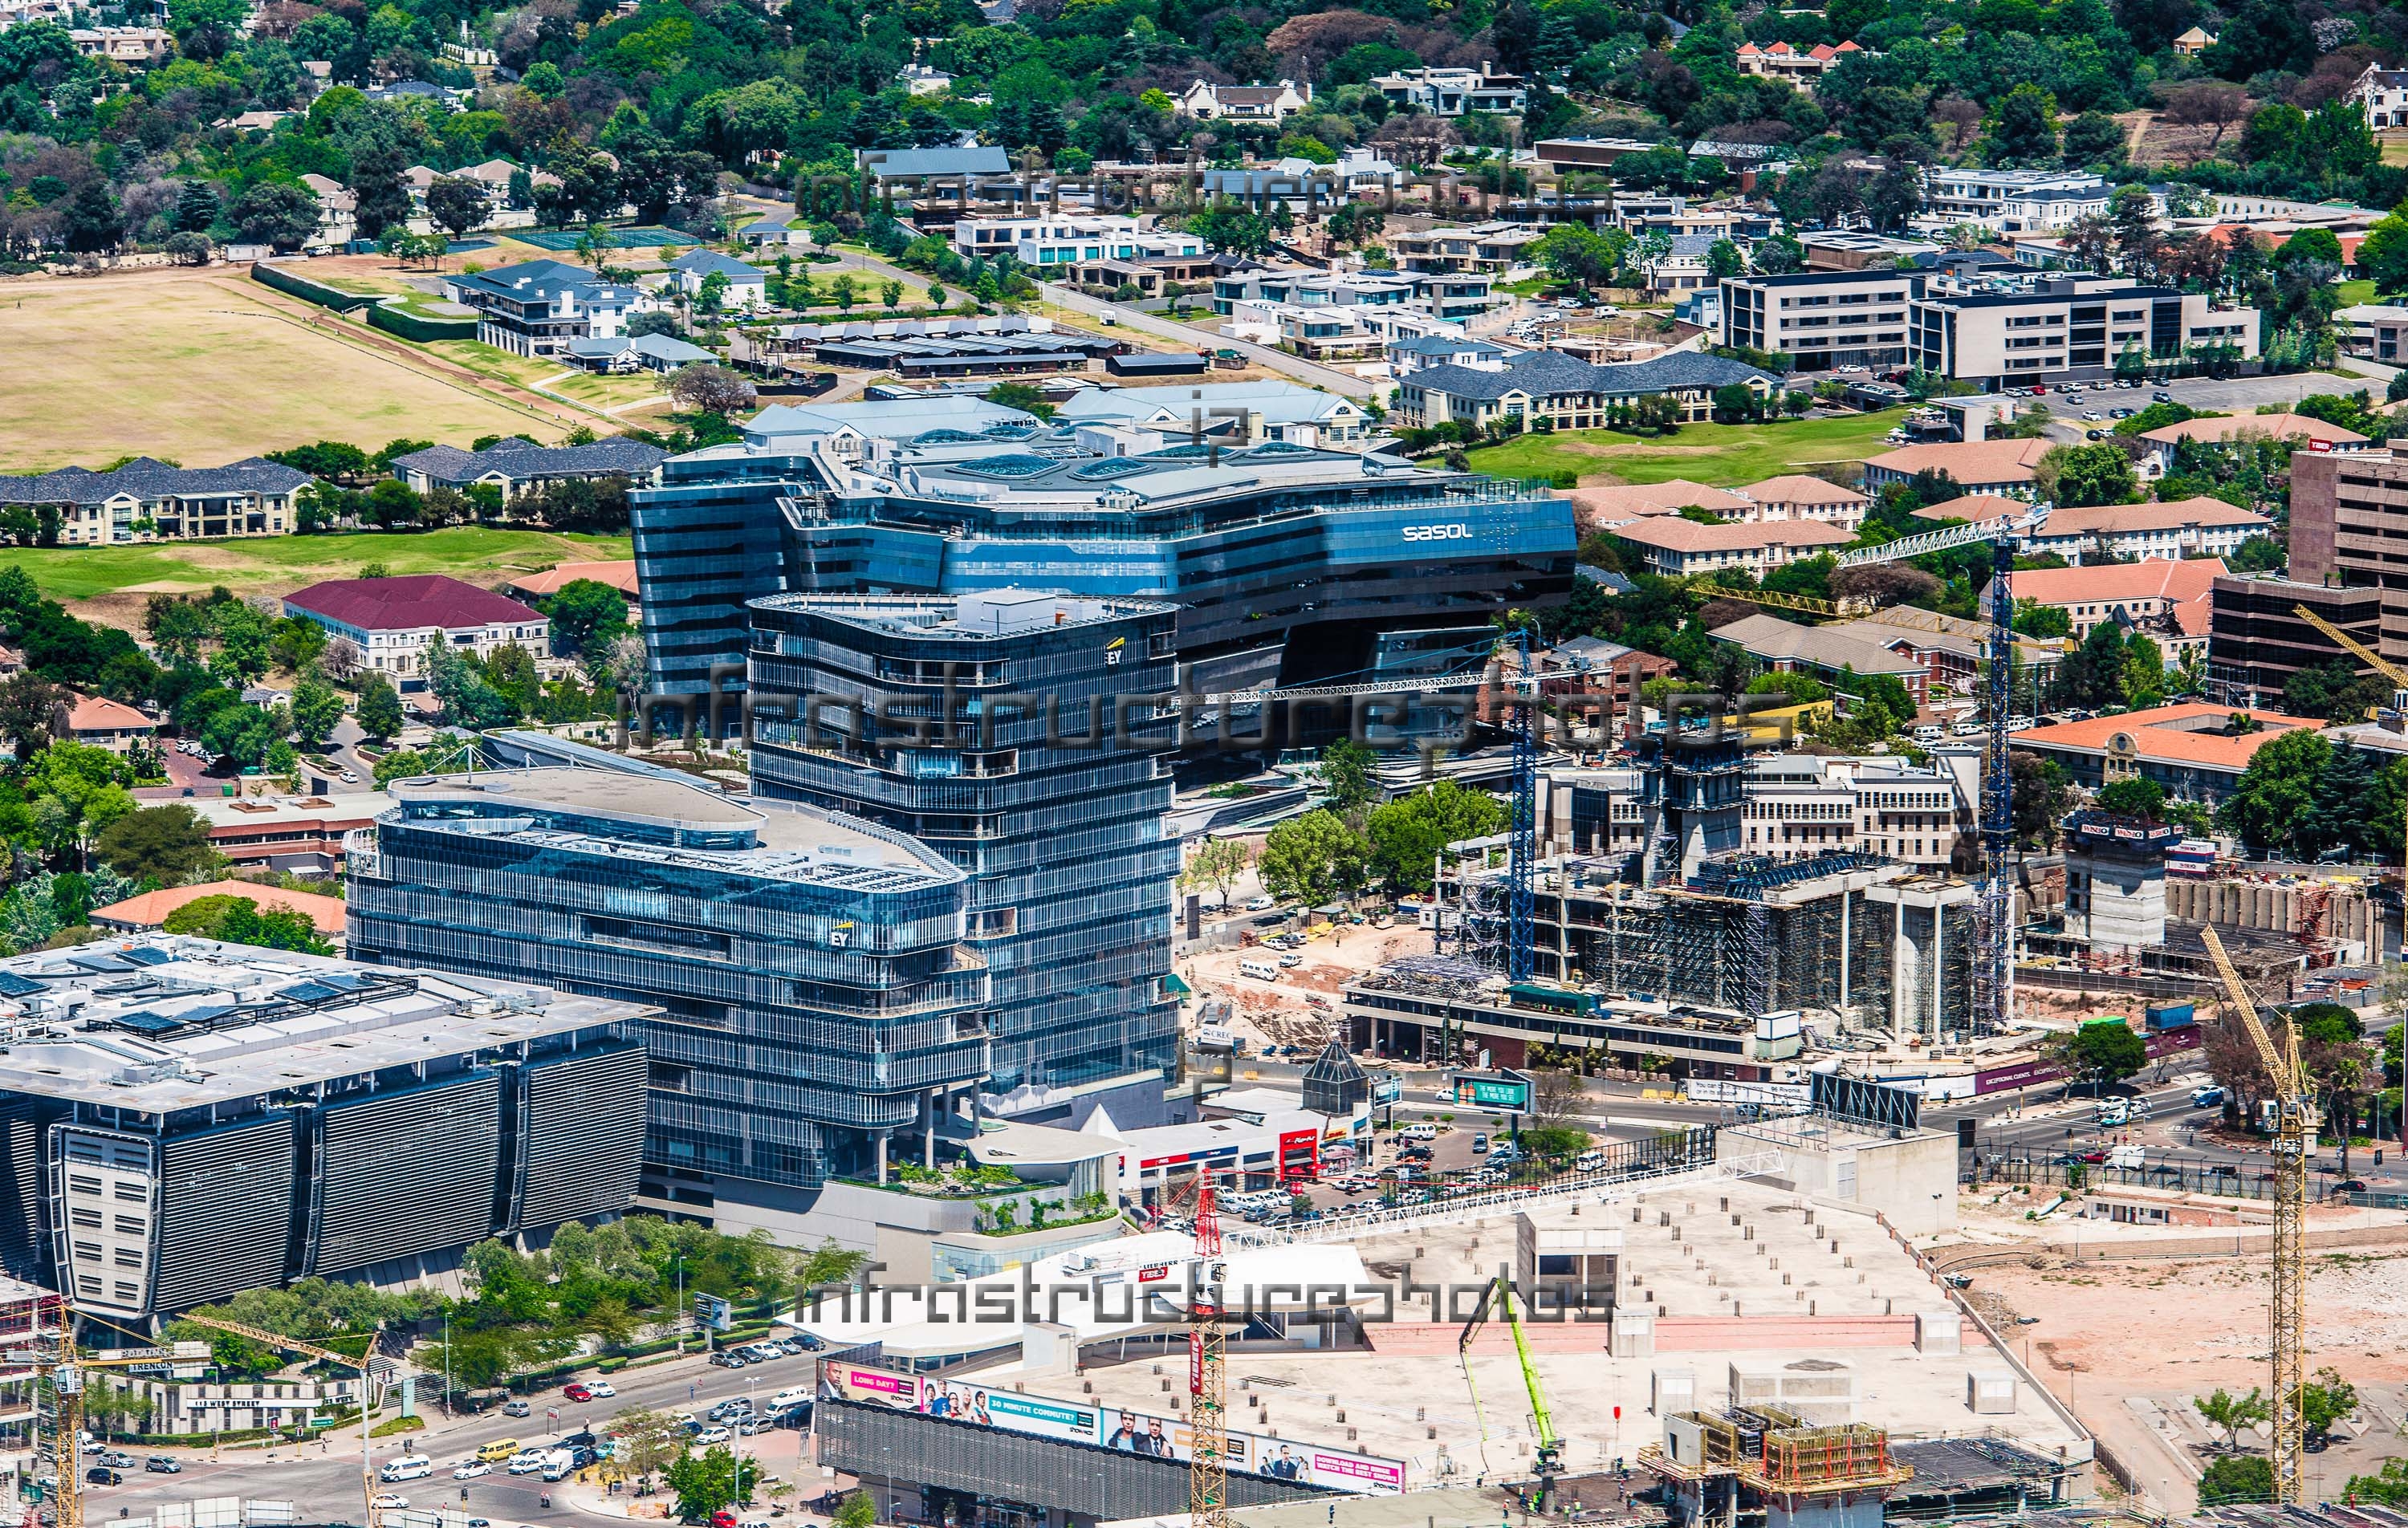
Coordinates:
577 1393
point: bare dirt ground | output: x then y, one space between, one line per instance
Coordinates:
1283 1012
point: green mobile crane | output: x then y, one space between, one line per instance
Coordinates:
1499 1294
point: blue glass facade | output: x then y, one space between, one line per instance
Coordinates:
1069 872
816 998
1281 577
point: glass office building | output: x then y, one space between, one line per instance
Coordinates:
1291 566
1004 732
819 1008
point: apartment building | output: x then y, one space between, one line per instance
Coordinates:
2012 200
2193 527
1676 548
2068 326
148 500
1490 248
1070 239
398 623
2301 432
1794 496
1570 395
1826 654
1796 806
2257 639
2003 469
1452 92
1824 320
2347 510
2155 594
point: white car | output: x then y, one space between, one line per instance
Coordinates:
1259 903
391 1501
601 1390
526 1461
471 1468
709 1436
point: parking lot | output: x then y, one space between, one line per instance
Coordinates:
2072 408
1448 1160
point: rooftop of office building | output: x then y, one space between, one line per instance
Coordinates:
165 1022
652 819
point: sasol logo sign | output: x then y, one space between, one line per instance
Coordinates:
1438 532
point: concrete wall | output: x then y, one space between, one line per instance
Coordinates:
1911 1180
2273 906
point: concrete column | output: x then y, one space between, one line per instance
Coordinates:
1845 895
1900 1008
928 1106
882 1160
1939 951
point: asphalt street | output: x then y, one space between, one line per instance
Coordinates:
322 1477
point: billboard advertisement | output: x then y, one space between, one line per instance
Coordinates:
1125 1429
1386 1087
1494 1092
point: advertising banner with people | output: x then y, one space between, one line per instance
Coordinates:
1126 1430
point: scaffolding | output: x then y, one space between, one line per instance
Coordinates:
1810 1461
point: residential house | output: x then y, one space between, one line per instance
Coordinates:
1570 395
338 220
396 622
1685 266
1303 185
1822 652
98 721
1452 92
2381 94
747 285
135 47
922 79
661 353
517 464
2012 200
2193 42
891 164
1676 548
1491 249
148 500
1071 239
2192 750
776 234
1799 66
2006 468
1245 103
1417 351
493 178
536 307
1585 154
620 576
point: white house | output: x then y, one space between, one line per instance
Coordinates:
748 286
1451 92
1245 103
2383 94
1070 239
395 622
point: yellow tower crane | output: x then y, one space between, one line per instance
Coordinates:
2375 661
2295 1125
359 1366
67 1369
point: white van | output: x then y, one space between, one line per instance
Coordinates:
791 1395
1260 970
1423 1132
1929 732
406 1467
1588 1162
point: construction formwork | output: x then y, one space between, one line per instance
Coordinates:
1753 957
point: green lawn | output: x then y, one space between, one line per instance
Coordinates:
2351 293
1721 455
280 565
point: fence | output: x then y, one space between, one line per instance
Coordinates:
395 320
308 290
2197 1175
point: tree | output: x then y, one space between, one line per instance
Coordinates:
457 204
29 709
2274 795
2038 792
846 290
711 1480
1314 858
316 709
2326 1399
240 921
1230 231
380 709
2024 129
165 845
648 1440
2237 1478
1346 768
2094 138
1021 395
1408 833
1217 862
92 221
2335 690
706 389
891 293
196 207
1724 260
584 609
2133 797
2086 475
859 1510
2232 1413
2101 1053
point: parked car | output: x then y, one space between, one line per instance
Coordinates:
162 1464
2161 395
709 1436
390 1502
1259 903
726 1361
101 1475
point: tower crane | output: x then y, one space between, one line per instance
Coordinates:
2295 1117
361 1365
1550 1462
1993 968
2373 660
1208 1457
68 1368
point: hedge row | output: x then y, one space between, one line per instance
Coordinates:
408 325
308 290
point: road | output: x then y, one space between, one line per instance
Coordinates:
323 1479
1310 373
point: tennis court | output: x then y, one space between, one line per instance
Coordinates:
564 239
